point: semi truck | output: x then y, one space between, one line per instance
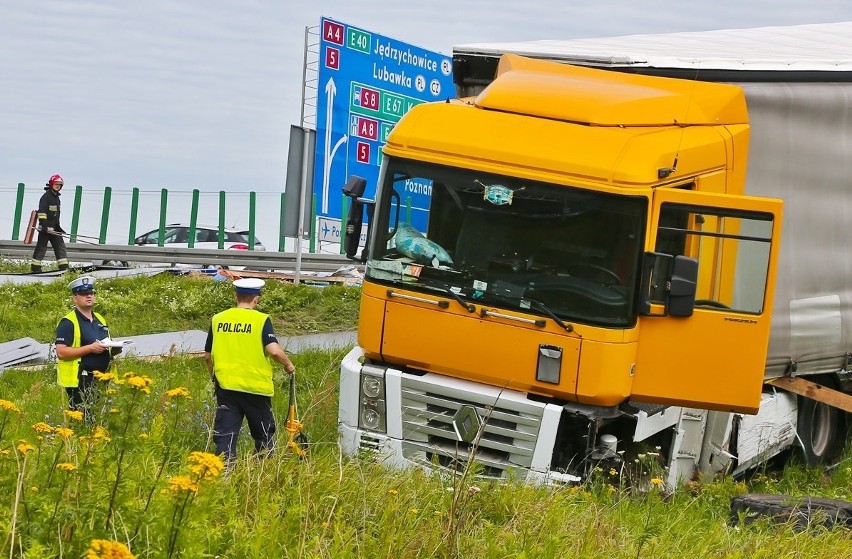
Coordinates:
601 273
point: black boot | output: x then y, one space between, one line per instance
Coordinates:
63 267
35 269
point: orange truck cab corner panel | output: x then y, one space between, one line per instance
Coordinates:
370 322
606 373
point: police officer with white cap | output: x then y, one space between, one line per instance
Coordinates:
240 343
78 346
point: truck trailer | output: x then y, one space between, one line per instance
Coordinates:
601 273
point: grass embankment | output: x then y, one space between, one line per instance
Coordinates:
139 477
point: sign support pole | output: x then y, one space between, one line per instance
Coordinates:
300 233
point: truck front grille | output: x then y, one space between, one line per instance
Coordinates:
511 425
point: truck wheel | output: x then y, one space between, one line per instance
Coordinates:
800 511
819 431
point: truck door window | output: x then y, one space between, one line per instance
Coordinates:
732 249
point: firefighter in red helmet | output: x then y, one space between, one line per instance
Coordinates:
49 230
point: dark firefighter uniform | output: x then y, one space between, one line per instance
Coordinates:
48 220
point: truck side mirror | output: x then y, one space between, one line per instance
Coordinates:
354 189
682 286
352 233
355 186
669 281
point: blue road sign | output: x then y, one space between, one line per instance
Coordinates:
366 83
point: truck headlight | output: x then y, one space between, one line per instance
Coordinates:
371 386
371 419
371 408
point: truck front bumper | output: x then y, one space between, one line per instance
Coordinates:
516 439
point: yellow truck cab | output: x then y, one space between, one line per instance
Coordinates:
590 282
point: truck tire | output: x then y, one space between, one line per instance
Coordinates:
802 512
820 429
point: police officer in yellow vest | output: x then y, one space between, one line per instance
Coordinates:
239 344
78 346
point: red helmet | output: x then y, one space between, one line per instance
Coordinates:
53 179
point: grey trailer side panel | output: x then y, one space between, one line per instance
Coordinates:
801 151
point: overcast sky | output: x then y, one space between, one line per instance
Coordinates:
189 94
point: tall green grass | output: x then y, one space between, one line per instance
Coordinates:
165 303
130 483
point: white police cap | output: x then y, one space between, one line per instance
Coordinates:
250 286
81 284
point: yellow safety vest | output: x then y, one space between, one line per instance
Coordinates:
239 360
67 369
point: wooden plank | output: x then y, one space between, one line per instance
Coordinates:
289 276
814 391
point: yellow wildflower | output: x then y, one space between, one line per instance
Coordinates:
656 482
101 434
613 472
104 377
414 511
106 549
393 492
65 432
113 410
5 452
24 447
205 465
42 427
9 406
66 466
182 484
74 415
437 513
179 392
142 383
143 436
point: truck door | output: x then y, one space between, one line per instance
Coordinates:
715 358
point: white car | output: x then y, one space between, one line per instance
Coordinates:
206 236
177 235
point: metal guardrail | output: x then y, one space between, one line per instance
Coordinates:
258 259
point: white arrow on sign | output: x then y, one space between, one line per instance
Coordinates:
331 91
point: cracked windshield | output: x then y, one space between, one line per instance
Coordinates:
543 249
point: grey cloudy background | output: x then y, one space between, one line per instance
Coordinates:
185 94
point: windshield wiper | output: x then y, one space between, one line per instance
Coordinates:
469 307
542 307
